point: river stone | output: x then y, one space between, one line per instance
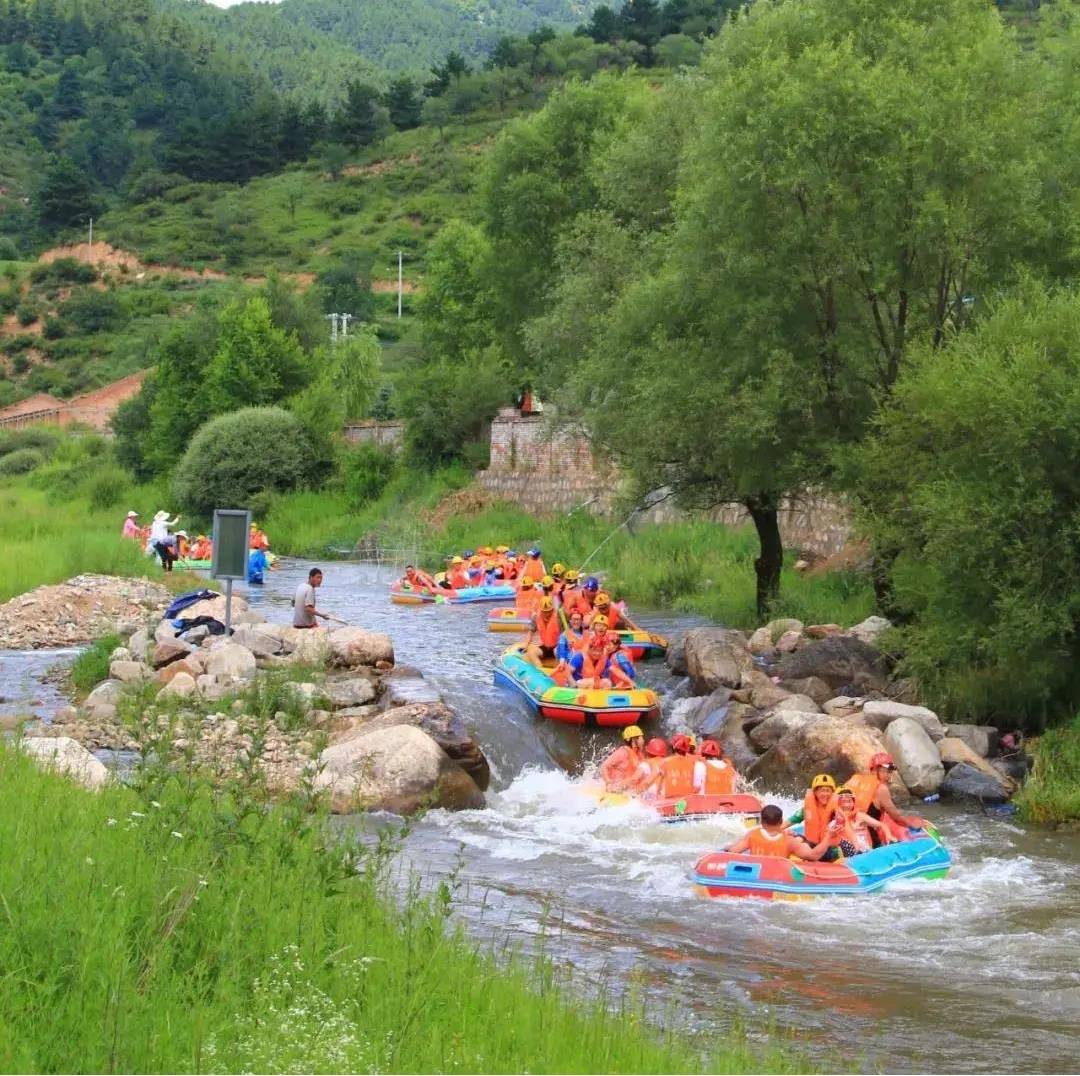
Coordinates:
311 647
882 713
729 726
185 665
782 626
164 632
168 652
399 769
358 646
789 642
982 739
215 607
811 686
211 688
802 703
182 685
401 691
353 692
675 658
870 629
1015 767
915 756
121 653
129 672
716 657
703 716
838 660
964 781
954 751
263 644
107 693
777 725
67 756
759 690
231 660
822 631
139 644
443 725
760 642
843 706
823 745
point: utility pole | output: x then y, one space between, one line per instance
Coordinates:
345 319
333 319
90 249
399 284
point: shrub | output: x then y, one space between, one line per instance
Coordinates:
92 665
107 488
54 329
21 461
43 438
63 271
237 455
26 314
365 472
94 311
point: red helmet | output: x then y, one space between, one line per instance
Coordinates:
709 749
680 743
882 758
656 747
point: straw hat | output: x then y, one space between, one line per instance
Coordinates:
132 515
159 516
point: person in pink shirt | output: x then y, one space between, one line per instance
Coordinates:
131 526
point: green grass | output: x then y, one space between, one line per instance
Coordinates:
1052 792
92 665
171 928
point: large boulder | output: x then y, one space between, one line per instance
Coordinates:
761 642
762 692
129 672
777 725
229 660
783 626
964 781
821 745
399 769
103 700
263 644
181 686
840 661
405 690
139 644
169 651
729 725
67 756
676 655
982 739
870 630
813 686
915 756
802 703
882 713
789 642
358 646
356 691
214 607
716 657
955 752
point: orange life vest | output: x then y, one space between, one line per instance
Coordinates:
719 777
865 786
534 569
548 627
764 844
816 817
527 602
581 605
677 775
619 769
458 578
613 616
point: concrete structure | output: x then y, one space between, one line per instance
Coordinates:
389 434
93 409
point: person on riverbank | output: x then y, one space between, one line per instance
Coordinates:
304 610
161 539
872 795
131 526
771 839
620 771
819 806
849 831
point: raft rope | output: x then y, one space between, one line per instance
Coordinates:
609 537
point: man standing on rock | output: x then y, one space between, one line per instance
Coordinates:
304 611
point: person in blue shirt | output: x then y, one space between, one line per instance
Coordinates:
258 565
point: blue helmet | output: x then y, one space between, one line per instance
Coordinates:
592 583
534 552
511 552
469 553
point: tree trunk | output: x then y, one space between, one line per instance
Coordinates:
771 560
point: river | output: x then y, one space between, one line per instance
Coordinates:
976 973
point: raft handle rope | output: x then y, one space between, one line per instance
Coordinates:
608 538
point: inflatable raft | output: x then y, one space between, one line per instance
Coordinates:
728 874
574 705
403 594
685 808
638 644
192 565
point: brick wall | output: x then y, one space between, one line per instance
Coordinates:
548 470
389 435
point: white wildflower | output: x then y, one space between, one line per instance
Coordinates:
178 836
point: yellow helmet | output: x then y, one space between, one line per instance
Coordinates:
599 622
485 551
843 790
502 549
823 780
558 569
547 581
572 575
603 598
632 732
546 605
526 584
457 560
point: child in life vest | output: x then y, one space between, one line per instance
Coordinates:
850 829
771 839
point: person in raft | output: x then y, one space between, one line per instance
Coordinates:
771 839
304 611
418 580
534 566
872 795
621 770
717 776
131 526
544 633
850 829
819 806
202 548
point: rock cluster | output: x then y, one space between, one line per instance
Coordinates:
78 611
792 701
350 724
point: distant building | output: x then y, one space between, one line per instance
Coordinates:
93 409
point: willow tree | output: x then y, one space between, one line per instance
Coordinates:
851 178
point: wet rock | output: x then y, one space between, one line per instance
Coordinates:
358 646
777 725
824 745
811 686
401 691
838 660
716 657
399 769
915 755
982 739
954 751
182 685
129 672
66 756
870 630
1015 767
964 781
354 692
676 655
730 727
231 660
882 713
168 652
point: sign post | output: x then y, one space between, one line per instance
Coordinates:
232 526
